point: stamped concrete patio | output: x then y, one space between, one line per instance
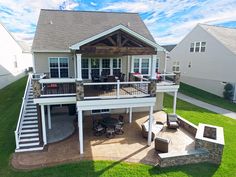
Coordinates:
129 147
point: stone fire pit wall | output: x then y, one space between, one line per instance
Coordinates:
206 149
213 142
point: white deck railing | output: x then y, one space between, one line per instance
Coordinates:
22 110
115 90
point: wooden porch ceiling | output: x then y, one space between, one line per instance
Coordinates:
117 43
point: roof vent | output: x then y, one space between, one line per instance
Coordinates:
50 22
128 24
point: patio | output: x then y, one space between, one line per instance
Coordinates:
130 146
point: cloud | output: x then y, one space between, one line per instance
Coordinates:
21 17
93 3
168 20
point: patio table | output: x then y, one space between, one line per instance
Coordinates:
109 122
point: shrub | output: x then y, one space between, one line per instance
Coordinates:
228 91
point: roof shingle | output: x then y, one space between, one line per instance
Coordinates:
58 30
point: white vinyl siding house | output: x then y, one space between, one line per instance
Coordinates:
206 58
14 58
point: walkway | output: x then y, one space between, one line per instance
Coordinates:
205 105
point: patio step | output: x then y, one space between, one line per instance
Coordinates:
31 107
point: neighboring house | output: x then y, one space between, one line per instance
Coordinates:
169 48
102 62
206 58
15 57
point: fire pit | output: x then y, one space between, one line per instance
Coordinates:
209 132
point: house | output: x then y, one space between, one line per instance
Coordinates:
206 58
15 57
96 62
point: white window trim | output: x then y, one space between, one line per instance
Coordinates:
200 46
140 57
100 65
58 61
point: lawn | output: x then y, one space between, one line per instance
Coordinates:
206 97
10 100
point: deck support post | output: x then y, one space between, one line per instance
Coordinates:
130 114
174 103
79 71
80 126
153 69
150 122
49 118
43 125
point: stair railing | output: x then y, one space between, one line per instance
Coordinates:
22 110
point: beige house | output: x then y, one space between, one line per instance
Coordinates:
95 62
206 58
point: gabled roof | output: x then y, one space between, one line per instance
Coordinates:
227 36
169 47
58 30
24 46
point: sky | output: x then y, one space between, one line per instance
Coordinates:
168 20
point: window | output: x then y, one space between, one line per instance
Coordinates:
100 111
58 67
197 46
145 66
176 67
203 46
192 47
105 67
141 65
85 68
95 67
116 64
136 65
157 65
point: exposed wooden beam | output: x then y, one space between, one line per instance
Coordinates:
119 39
107 50
112 41
123 43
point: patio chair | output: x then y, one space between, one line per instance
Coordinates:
119 129
110 132
98 128
122 77
121 120
162 144
172 121
110 79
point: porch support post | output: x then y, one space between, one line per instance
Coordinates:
130 114
150 125
49 117
80 126
79 71
153 69
75 71
43 125
174 104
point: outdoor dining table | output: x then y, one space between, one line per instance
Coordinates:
109 122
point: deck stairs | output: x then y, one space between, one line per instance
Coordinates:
27 133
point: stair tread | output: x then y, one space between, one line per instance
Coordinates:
29 130
29 135
29 139
29 144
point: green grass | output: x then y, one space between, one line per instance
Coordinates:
10 101
207 97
